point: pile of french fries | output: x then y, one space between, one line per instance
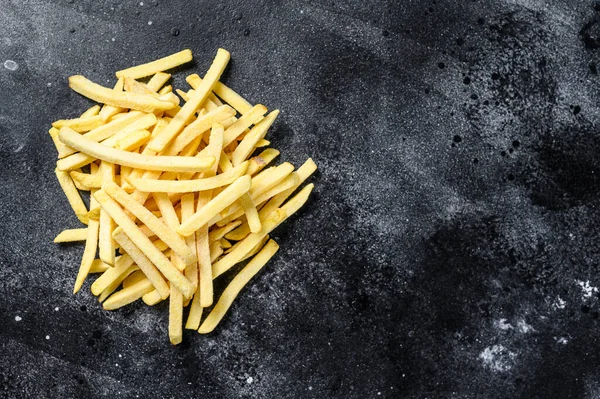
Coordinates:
176 197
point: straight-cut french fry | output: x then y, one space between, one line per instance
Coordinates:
251 213
257 163
253 116
228 95
134 160
87 180
162 231
188 186
128 295
80 125
217 234
67 185
98 267
89 253
71 235
236 285
187 210
116 283
106 244
162 64
203 252
92 111
152 298
159 142
158 80
144 244
109 111
216 205
121 99
258 132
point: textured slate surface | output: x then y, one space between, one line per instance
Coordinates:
451 246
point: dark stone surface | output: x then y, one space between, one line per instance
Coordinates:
450 248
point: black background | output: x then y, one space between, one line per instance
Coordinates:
450 248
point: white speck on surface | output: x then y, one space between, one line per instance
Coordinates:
56 309
117 364
120 355
524 327
310 388
141 3
561 340
559 303
113 39
149 22
379 393
497 358
249 380
47 337
11 65
18 318
49 84
588 290
503 325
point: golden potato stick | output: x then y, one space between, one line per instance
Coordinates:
272 221
195 314
80 125
198 127
132 120
116 283
251 213
122 264
133 140
228 95
152 298
269 178
219 233
262 143
99 267
188 186
168 235
144 244
86 179
185 96
127 295
175 316
216 205
93 214
71 235
134 160
203 252
158 80
292 180
256 248
162 64
224 162
258 162
67 185
225 244
258 132
133 278
109 111
165 90
53 132
189 109
253 116
214 99
236 285
92 111
187 210
89 253
106 244
121 99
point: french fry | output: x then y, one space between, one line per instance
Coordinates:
217 234
258 132
106 244
98 267
67 185
188 186
80 125
187 210
162 231
175 316
86 180
159 142
162 64
120 99
91 245
158 80
216 205
71 235
258 162
228 95
253 116
166 90
152 298
116 283
224 163
134 140
256 248
216 250
134 160
236 285
128 295
146 247
92 111
225 244
251 213
133 278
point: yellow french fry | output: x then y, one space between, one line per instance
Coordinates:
158 80
67 185
108 111
92 111
253 116
236 285
251 213
152 298
258 132
71 235
162 64
106 244
257 163
228 95
80 125
127 295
